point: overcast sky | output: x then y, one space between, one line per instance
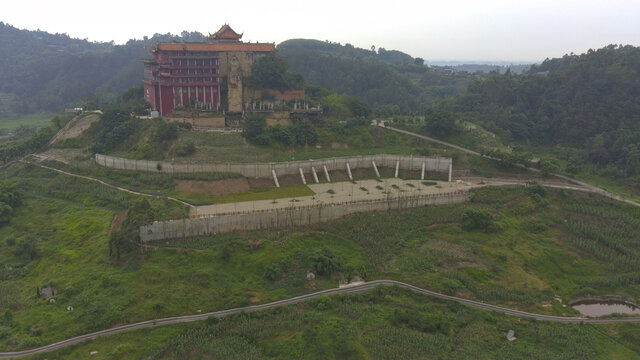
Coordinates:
489 30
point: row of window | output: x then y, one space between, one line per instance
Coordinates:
197 79
195 62
194 71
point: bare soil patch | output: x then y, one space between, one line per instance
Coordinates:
75 127
261 182
116 223
63 155
220 187
289 180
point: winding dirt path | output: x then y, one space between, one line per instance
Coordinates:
592 188
102 182
343 290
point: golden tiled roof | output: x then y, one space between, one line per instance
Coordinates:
220 34
257 47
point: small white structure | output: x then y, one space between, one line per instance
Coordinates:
311 276
510 335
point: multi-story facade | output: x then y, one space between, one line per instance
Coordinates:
208 76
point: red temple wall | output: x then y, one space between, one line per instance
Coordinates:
166 99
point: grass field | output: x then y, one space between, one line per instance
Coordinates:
564 244
386 323
36 120
213 147
164 184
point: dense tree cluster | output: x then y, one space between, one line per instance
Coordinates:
301 133
272 72
46 72
477 219
391 82
10 198
127 238
589 102
115 126
14 149
345 106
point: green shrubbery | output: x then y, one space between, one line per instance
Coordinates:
477 219
114 126
10 198
127 238
185 148
255 130
14 149
271 72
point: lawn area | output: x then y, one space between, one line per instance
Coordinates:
385 323
557 243
36 120
215 147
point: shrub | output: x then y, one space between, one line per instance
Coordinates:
538 190
271 271
185 148
476 220
253 126
184 125
127 238
27 249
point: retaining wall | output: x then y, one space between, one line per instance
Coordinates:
283 218
263 170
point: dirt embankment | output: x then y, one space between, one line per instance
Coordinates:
234 186
75 127
116 223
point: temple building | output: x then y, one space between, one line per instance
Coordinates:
207 76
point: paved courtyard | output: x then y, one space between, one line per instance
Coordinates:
341 192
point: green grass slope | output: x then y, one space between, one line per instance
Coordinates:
564 243
385 323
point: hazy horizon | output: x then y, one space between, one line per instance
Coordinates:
495 31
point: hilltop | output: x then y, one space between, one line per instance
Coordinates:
73 261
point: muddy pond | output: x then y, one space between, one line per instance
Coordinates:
595 308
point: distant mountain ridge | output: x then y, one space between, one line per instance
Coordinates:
40 71
391 82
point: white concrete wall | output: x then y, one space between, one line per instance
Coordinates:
263 170
283 218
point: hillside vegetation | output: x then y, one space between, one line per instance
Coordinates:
589 101
578 114
533 245
385 324
392 82
46 72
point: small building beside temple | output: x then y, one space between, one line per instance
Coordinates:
210 76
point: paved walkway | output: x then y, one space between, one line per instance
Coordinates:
346 191
339 193
345 290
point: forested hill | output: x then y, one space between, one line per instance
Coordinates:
41 71
390 81
349 51
589 101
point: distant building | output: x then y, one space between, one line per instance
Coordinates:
208 76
